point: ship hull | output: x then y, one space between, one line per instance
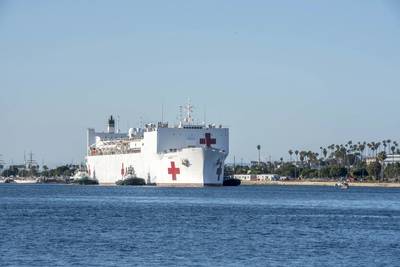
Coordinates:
199 166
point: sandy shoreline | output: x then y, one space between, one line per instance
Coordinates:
320 183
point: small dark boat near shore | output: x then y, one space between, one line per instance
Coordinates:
85 181
9 181
131 181
82 178
52 180
229 181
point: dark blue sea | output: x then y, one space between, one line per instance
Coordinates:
61 225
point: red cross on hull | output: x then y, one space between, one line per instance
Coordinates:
173 171
208 141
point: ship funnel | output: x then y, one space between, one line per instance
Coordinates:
111 125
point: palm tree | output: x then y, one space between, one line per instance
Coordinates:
259 148
361 148
381 157
369 145
302 157
290 154
325 152
297 155
388 142
377 148
349 143
395 144
384 145
373 148
393 148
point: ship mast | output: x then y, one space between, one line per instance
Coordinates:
189 110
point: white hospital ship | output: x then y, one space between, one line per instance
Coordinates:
183 155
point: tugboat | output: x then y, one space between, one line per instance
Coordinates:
130 178
231 181
82 178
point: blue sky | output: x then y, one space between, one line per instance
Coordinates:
283 74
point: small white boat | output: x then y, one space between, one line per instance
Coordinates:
342 185
26 181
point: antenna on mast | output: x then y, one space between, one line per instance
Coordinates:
180 113
189 110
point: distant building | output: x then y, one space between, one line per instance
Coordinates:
392 159
257 177
268 177
389 159
245 177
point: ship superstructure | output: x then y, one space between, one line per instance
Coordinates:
186 154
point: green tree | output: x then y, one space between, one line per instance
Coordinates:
337 172
359 172
392 171
374 169
309 173
325 172
287 169
10 172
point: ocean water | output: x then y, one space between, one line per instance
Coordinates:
60 225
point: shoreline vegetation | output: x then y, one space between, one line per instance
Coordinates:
361 162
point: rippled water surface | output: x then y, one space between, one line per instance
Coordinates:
58 225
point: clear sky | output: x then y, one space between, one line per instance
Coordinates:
282 74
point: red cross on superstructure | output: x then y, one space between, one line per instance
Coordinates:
208 141
173 171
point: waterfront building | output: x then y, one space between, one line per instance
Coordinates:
257 177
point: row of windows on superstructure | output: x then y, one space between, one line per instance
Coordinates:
193 127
